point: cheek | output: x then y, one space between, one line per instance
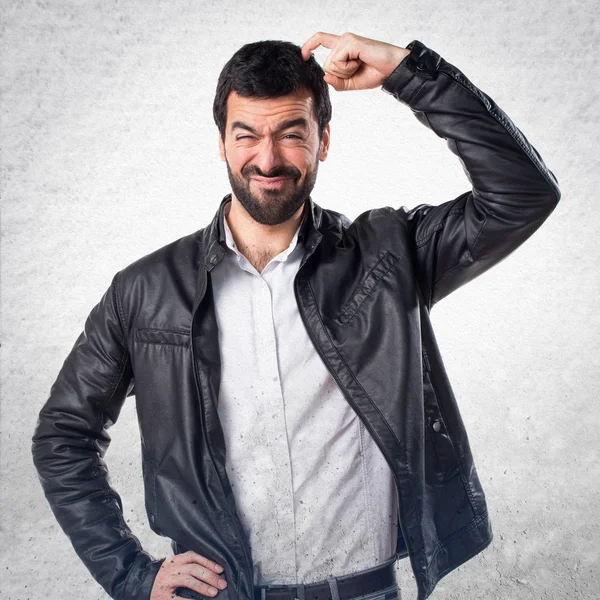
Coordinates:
302 158
237 160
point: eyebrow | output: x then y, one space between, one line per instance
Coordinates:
299 122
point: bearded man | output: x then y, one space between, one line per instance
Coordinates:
299 432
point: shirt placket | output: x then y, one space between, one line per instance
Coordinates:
275 426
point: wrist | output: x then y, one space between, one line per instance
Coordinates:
397 56
401 54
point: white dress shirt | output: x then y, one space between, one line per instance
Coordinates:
314 493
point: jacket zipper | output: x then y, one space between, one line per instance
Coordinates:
355 407
241 534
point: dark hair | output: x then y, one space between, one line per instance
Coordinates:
269 69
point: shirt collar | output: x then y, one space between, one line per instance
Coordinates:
212 238
297 239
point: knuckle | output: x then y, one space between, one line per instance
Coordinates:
200 573
170 563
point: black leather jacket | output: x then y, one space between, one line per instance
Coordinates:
364 291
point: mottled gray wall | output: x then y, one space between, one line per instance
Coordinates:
109 151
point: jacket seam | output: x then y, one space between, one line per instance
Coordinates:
154 504
427 295
472 197
458 264
415 92
124 325
115 384
472 525
428 237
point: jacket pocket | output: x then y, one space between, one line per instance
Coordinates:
170 337
366 287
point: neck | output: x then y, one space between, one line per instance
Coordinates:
257 242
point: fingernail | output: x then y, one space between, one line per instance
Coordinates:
218 568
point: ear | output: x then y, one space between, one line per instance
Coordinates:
324 148
221 148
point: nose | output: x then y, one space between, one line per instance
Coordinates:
268 156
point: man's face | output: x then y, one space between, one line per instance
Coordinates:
272 151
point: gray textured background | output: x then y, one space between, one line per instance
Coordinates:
110 151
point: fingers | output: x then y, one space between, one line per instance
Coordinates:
189 570
342 62
194 557
206 575
355 62
197 578
337 83
328 40
342 68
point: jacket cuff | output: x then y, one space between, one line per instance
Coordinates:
140 580
416 68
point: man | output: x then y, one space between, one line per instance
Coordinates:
299 433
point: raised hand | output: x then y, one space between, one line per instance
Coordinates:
355 62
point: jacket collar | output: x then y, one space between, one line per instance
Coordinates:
213 242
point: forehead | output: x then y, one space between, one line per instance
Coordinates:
270 111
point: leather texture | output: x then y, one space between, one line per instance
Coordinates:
364 290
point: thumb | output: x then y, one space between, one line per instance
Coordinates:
337 83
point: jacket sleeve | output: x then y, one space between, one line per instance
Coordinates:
69 443
512 194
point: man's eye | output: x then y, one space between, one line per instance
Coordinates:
289 135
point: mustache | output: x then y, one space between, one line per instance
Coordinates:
277 172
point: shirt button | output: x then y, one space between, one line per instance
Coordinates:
437 425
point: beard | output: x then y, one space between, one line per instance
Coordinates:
273 206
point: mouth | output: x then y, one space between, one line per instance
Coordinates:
270 182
